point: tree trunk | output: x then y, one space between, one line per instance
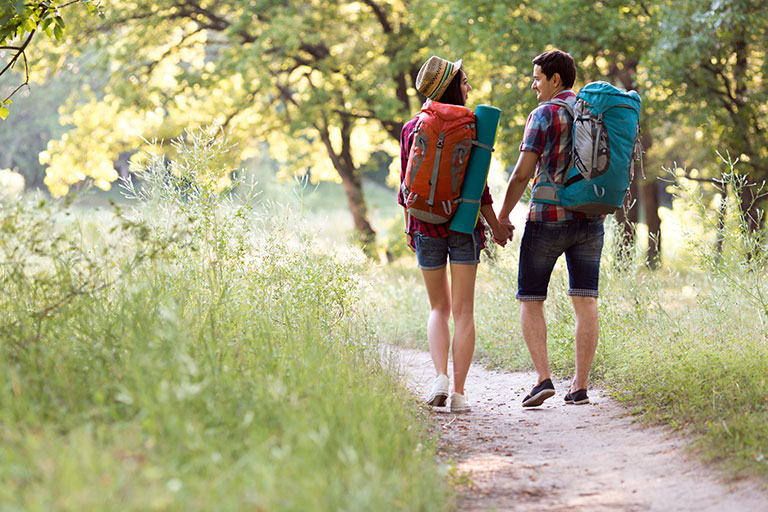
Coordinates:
751 219
350 179
650 196
627 218
352 183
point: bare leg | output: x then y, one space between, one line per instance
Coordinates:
534 328
438 332
463 300
587 333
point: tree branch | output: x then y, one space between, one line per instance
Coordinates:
171 49
380 15
26 78
217 22
20 52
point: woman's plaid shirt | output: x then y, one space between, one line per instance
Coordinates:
416 225
548 133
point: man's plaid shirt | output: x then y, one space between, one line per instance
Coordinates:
548 133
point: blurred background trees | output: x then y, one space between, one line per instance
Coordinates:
326 85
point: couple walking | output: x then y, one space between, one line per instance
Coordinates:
550 231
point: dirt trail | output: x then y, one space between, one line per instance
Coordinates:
568 458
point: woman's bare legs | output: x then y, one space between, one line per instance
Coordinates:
463 302
438 333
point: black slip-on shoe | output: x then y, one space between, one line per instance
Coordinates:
539 393
577 397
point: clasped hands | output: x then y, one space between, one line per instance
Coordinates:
503 232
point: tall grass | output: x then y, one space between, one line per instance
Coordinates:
685 347
176 358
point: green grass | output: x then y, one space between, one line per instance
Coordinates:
685 345
689 350
172 358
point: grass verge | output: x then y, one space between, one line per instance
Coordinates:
689 350
172 359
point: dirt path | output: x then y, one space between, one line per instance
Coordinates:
568 458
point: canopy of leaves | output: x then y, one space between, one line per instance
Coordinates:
20 21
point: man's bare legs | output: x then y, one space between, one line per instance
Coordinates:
534 328
586 335
587 331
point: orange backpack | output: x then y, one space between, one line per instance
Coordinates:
443 138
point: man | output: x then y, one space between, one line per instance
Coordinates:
552 230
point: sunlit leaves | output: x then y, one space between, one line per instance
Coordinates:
293 71
4 108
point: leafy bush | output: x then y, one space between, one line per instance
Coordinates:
174 358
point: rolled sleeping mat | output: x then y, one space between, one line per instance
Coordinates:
476 175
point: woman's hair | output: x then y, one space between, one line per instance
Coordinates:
452 93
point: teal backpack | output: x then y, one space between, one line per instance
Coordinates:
606 143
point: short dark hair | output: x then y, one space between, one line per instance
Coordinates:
452 93
557 61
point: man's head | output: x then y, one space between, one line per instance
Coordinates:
553 72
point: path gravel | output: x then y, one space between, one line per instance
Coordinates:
568 458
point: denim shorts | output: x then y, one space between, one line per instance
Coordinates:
543 242
433 252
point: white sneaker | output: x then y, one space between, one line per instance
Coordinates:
439 391
459 403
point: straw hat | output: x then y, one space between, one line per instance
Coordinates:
435 75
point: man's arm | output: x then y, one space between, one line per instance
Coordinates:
524 169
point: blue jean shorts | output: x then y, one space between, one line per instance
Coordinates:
543 242
432 253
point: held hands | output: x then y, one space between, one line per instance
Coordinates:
504 231
501 233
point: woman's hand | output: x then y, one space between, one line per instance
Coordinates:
409 242
501 233
504 221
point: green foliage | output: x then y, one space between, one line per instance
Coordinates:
169 356
4 108
20 20
687 348
710 58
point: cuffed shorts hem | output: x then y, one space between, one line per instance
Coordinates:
531 298
476 262
433 253
422 267
583 293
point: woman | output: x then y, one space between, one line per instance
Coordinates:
434 244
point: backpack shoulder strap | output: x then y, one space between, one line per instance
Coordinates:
561 103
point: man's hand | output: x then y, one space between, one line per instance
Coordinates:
501 233
511 230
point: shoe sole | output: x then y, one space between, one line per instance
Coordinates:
461 410
539 398
438 400
570 401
